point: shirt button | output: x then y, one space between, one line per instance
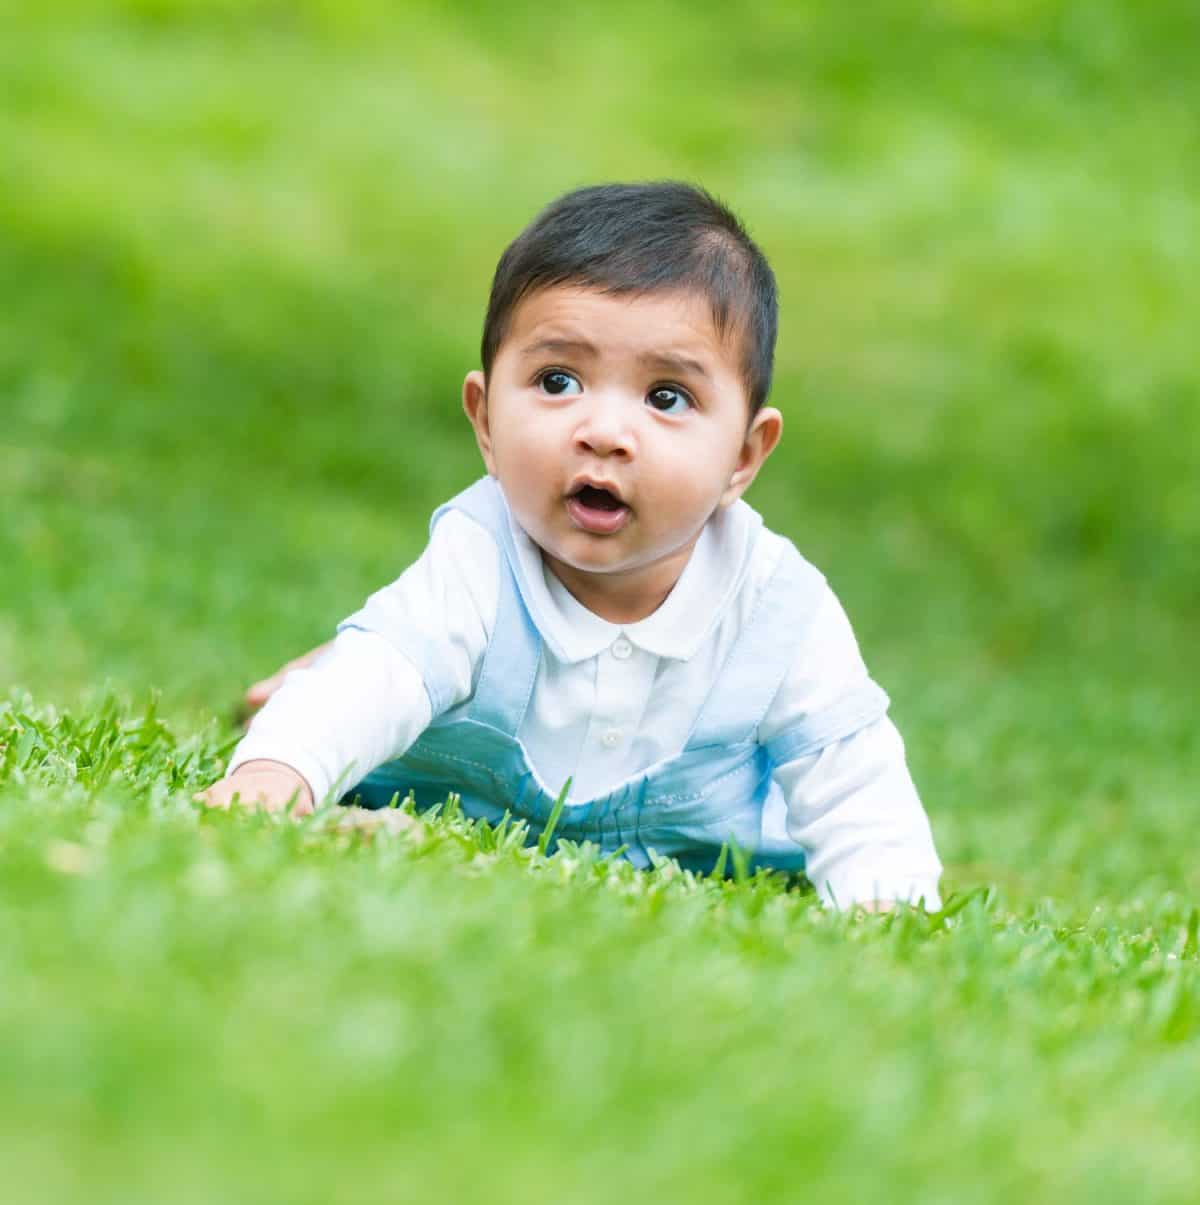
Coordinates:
621 649
611 739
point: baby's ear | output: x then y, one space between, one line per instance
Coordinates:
474 397
761 439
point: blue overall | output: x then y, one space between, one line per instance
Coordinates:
718 789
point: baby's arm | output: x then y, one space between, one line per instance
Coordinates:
268 784
329 723
362 701
854 808
851 803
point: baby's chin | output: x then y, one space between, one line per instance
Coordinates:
595 565
603 557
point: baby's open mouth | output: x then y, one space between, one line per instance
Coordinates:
597 499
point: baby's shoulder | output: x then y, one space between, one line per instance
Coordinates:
459 532
780 581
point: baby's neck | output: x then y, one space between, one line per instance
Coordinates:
623 598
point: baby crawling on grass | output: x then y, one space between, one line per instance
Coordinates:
602 609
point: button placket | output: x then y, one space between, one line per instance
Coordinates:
622 687
612 695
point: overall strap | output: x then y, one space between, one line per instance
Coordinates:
842 719
761 655
506 677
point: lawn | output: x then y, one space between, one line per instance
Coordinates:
244 256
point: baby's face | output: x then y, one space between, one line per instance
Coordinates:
616 426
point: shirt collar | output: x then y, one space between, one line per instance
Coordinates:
713 575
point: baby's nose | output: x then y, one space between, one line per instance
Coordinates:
607 428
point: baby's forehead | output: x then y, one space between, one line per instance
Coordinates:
608 322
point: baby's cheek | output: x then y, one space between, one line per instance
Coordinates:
685 499
527 454
529 499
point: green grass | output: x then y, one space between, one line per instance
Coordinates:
244 253
239 1005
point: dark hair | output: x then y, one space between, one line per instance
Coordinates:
643 238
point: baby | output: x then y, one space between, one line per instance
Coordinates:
601 619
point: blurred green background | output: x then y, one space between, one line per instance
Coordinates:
244 256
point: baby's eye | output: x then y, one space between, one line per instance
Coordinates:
666 399
559 383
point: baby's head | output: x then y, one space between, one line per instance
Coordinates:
627 358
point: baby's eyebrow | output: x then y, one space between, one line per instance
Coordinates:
674 362
663 361
562 347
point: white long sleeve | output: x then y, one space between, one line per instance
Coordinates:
361 704
854 809
852 805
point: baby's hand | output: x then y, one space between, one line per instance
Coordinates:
270 785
